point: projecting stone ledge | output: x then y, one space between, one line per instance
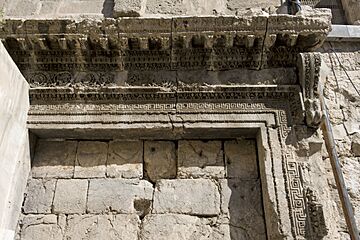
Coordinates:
252 40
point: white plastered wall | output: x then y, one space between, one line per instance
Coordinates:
14 143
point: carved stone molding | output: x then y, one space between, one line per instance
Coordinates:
309 65
129 44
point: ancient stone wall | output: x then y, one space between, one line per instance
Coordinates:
122 189
341 90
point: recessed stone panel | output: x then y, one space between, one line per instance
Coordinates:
200 159
242 203
54 159
91 159
125 159
160 160
241 159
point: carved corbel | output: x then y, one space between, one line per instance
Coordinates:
316 226
309 65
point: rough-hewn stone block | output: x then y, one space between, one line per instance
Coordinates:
43 227
91 159
160 160
54 159
125 159
355 144
187 196
129 8
40 194
70 196
200 159
94 227
241 159
117 195
176 226
241 201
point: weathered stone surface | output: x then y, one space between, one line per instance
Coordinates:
70 196
125 159
241 159
200 159
160 160
94 227
185 7
117 195
241 201
91 159
43 227
39 197
187 196
14 142
54 159
175 226
355 144
129 8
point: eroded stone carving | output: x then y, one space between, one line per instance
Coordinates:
316 221
309 75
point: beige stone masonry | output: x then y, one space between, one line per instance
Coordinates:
159 160
70 196
39 196
125 159
117 195
54 159
200 159
95 227
187 196
91 159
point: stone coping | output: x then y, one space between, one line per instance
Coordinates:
344 33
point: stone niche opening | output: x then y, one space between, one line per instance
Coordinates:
145 189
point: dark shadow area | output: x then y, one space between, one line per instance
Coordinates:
108 8
245 204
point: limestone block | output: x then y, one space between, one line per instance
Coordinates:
129 8
118 195
355 144
125 159
239 5
186 7
43 227
70 196
54 159
81 7
187 196
241 159
40 193
241 201
22 8
94 227
91 159
176 226
200 159
160 160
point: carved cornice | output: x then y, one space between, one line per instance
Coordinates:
212 43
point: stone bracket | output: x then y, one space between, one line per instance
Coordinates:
309 65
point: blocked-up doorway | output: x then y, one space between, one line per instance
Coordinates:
142 189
